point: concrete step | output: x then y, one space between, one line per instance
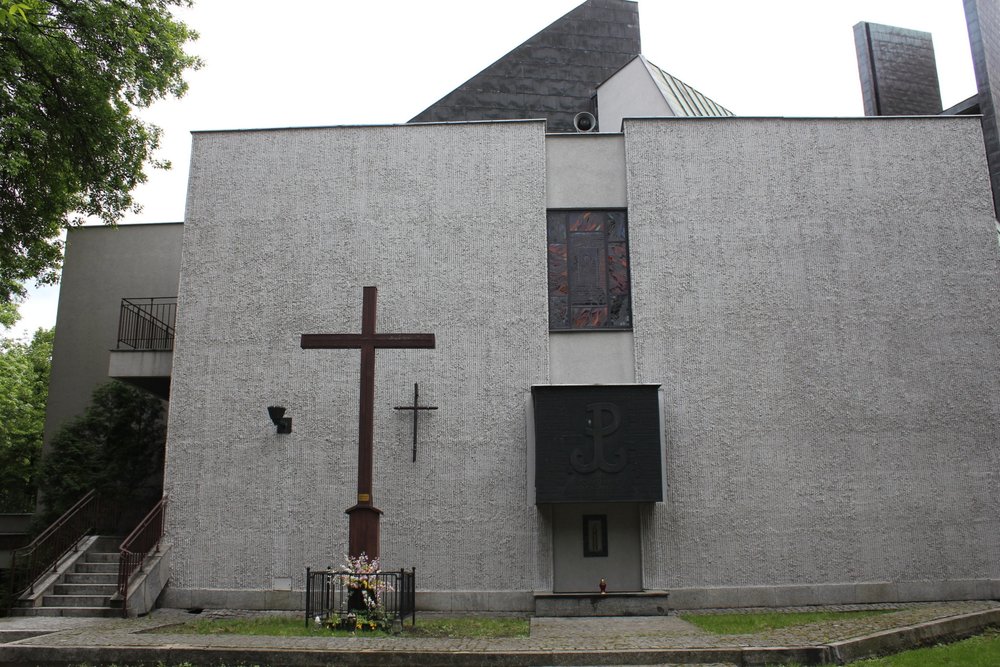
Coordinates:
74 600
644 603
107 544
106 589
91 578
95 568
98 612
101 557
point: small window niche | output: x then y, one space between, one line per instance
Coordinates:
595 535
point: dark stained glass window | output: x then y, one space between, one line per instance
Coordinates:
588 270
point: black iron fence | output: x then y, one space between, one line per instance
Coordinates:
333 596
147 323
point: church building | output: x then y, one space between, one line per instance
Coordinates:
710 359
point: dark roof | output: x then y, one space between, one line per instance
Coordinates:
967 107
553 75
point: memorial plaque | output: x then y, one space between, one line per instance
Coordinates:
597 444
588 270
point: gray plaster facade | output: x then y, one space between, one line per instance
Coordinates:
283 230
816 301
103 265
819 304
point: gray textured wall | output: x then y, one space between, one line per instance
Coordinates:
818 299
283 230
102 266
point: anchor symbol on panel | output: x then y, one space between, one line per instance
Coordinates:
598 428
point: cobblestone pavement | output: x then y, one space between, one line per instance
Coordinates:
547 634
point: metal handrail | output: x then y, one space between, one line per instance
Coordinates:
134 549
45 551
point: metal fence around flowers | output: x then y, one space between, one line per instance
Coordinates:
340 594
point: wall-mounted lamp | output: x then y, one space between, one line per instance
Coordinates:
277 415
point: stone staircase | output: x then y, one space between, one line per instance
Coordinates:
85 588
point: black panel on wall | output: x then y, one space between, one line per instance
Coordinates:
597 443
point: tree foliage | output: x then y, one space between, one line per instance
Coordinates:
9 314
115 447
72 72
24 389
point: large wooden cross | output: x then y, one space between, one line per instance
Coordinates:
363 532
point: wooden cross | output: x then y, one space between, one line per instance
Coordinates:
416 407
364 516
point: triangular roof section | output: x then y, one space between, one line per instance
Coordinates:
554 74
641 89
682 98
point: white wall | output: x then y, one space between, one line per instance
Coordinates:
588 171
630 93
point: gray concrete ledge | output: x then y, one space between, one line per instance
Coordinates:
649 603
125 642
915 636
46 655
462 601
145 590
875 592
457 601
125 364
679 598
223 598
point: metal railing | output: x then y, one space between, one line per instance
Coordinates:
331 593
137 546
147 323
45 551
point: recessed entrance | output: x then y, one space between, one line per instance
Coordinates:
594 541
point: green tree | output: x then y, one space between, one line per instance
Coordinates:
24 388
115 447
72 72
8 314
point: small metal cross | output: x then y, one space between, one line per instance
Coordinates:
416 407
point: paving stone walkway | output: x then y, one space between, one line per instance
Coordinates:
552 640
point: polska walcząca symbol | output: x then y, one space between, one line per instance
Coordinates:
597 428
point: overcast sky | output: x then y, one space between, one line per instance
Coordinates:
343 62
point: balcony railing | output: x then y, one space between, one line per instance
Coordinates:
147 323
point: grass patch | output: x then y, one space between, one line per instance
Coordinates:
742 624
980 651
474 627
